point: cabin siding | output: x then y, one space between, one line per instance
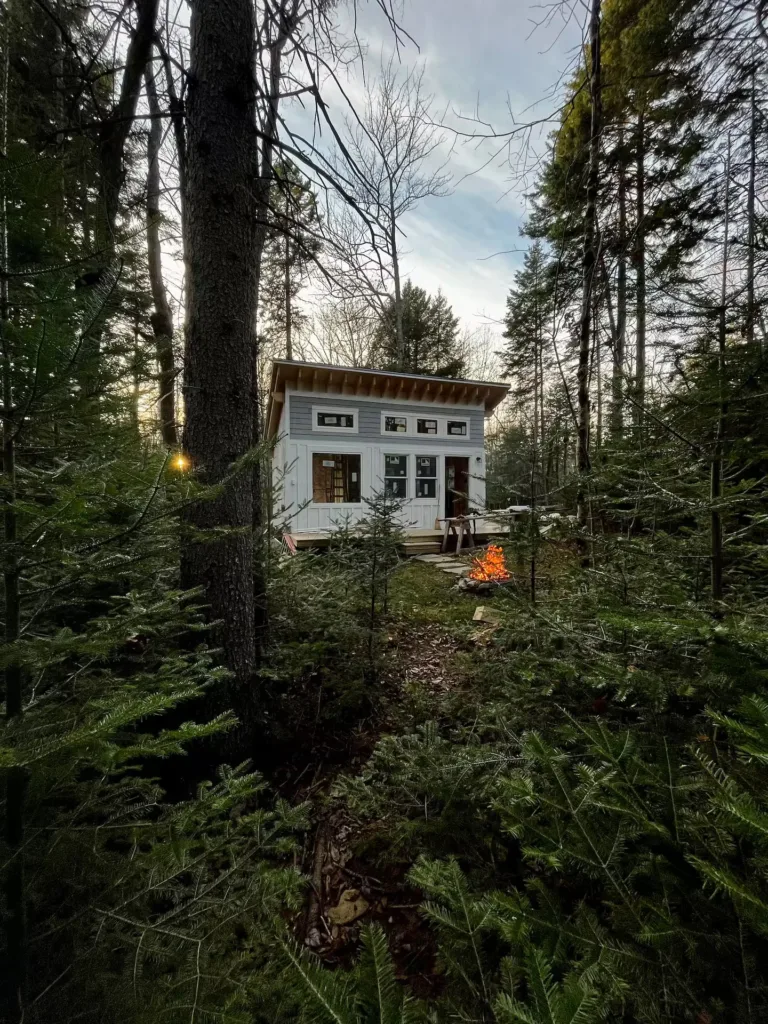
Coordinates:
298 442
369 421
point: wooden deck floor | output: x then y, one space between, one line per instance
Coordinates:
414 538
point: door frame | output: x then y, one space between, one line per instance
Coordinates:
450 495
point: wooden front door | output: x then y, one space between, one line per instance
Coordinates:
456 485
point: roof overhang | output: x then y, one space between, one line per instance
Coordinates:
349 381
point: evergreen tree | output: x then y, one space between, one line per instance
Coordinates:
527 357
430 333
291 248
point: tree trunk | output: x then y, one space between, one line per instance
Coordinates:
14 982
716 479
283 14
617 397
589 260
640 273
401 365
287 286
749 331
220 223
598 356
162 317
115 129
542 430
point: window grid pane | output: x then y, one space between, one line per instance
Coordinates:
395 465
457 427
396 476
396 488
336 419
426 476
396 424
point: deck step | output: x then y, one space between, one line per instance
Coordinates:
420 547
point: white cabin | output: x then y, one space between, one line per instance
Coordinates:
342 435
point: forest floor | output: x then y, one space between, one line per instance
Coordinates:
435 657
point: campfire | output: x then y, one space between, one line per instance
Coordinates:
490 566
488 571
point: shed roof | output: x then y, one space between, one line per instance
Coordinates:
349 381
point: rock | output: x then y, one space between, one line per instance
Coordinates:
475 586
483 614
351 905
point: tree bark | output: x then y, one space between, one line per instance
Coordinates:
284 16
589 260
14 983
115 130
617 397
221 226
162 317
598 366
716 479
287 283
640 281
749 331
398 292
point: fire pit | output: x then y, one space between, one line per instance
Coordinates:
488 572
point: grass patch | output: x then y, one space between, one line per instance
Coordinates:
422 594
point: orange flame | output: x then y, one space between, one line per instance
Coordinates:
490 567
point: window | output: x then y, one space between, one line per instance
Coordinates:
420 426
396 424
426 476
335 478
396 476
334 421
457 427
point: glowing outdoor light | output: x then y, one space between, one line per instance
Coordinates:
180 462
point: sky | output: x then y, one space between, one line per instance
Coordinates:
497 57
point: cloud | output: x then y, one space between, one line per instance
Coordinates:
489 60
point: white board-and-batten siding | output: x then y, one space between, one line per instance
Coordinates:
299 440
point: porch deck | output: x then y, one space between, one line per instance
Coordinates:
417 541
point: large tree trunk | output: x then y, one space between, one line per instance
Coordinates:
14 982
589 260
220 223
162 317
640 273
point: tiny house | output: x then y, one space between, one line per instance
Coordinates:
342 435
